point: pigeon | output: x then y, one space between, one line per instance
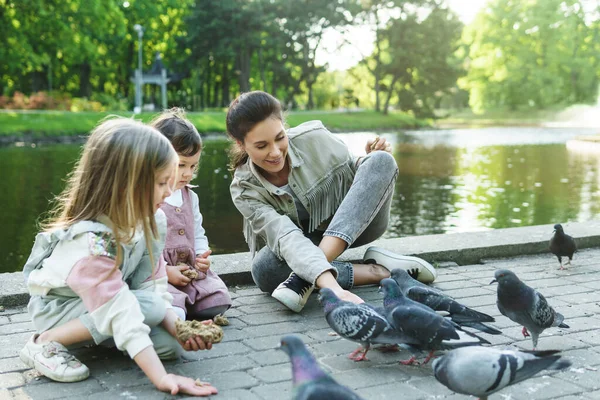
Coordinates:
309 380
438 301
525 305
422 327
481 371
562 245
357 322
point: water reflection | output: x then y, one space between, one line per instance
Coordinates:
450 181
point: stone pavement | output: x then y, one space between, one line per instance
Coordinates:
247 365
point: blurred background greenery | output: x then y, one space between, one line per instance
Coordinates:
427 58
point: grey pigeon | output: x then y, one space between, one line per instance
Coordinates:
357 322
481 371
562 245
525 305
438 301
422 327
309 380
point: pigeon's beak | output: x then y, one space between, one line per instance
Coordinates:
380 290
494 281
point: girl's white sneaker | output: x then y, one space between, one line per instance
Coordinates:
54 361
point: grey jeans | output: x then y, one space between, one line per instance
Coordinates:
361 218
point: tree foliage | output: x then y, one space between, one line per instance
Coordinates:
533 53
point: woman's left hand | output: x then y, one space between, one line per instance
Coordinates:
378 143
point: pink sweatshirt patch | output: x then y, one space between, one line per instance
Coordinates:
96 280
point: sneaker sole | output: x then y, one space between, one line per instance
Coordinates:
427 273
294 307
47 372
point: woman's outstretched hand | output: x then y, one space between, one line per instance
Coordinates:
174 384
349 296
378 143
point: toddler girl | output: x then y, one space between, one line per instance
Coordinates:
202 295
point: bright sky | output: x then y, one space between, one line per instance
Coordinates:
342 56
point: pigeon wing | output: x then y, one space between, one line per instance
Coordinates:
426 327
357 322
540 312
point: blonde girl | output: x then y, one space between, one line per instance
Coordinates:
95 274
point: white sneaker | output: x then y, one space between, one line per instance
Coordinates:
293 292
415 266
54 361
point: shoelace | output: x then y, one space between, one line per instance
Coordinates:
51 350
297 284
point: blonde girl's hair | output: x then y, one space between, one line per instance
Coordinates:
180 131
115 176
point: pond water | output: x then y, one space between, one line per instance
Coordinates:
449 181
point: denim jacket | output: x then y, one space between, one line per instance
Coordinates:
321 172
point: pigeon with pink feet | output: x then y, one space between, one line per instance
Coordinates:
525 305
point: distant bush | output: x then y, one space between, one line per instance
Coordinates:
83 104
110 103
37 101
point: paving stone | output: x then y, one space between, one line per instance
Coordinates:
273 391
4 320
271 342
12 364
273 373
269 357
11 379
56 390
378 375
236 394
231 380
16 327
391 391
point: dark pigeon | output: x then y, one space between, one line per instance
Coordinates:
438 301
357 322
562 245
525 305
423 328
309 380
481 371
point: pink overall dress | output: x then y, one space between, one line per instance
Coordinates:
208 290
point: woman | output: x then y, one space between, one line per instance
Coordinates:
307 198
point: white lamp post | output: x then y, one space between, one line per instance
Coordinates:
138 73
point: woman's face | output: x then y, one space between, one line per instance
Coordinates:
267 145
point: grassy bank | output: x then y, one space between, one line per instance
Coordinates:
495 117
60 123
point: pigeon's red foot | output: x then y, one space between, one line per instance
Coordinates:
359 354
429 357
410 361
525 332
353 355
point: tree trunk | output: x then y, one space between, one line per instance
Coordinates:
310 105
261 67
225 85
38 81
389 94
244 69
85 86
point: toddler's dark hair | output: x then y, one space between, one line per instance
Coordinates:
182 134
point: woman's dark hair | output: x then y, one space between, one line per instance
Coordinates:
247 110
182 134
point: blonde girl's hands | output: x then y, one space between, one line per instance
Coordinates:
175 276
378 143
202 262
174 384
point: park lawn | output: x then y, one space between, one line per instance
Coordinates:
63 123
496 117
